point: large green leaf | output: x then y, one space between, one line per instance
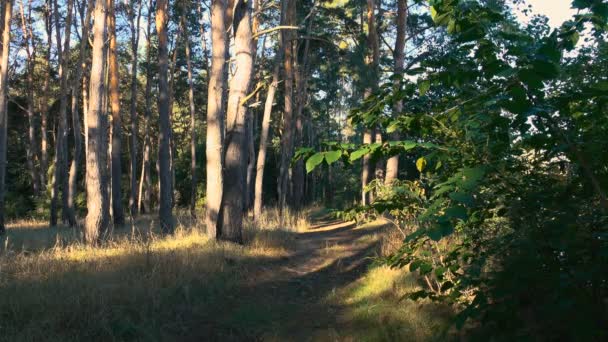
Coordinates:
314 161
332 156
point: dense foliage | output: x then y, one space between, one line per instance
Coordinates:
507 214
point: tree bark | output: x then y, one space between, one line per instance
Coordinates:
301 74
392 165
288 18
371 61
144 197
192 120
5 26
114 98
85 12
236 142
171 100
44 101
214 147
60 178
30 50
97 198
164 153
264 134
134 24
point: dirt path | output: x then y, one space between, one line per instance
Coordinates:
293 293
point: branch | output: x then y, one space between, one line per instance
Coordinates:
277 28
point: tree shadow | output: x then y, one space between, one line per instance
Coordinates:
201 291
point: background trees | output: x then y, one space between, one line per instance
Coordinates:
491 131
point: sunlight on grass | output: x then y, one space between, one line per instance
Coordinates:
374 311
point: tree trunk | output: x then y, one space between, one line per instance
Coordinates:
392 165
5 26
85 12
264 134
146 176
44 101
97 197
301 74
371 61
214 150
251 118
30 51
192 121
164 153
134 24
236 149
114 98
288 18
171 100
60 178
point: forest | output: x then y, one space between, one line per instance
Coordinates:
315 170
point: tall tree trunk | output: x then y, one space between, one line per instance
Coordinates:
251 118
60 178
5 26
134 24
30 51
85 13
264 134
371 61
288 18
164 153
392 165
44 101
144 197
97 197
192 120
114 98
214 147
236 142
172 67
301 74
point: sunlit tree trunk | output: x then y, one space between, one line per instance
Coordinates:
164 153
30 50
60 178
114 98
85 12
97 198
264 134
248 194
236 149
6 11
392 165
214 147
288 18
134 25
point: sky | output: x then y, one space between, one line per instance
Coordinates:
557 11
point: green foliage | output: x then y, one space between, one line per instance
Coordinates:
509 213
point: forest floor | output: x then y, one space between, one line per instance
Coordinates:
313 282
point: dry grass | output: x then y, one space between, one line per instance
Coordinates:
141 286
138 285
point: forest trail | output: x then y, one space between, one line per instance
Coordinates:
293 294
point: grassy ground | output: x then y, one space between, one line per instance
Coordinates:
306 281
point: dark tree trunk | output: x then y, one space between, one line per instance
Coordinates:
164 153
